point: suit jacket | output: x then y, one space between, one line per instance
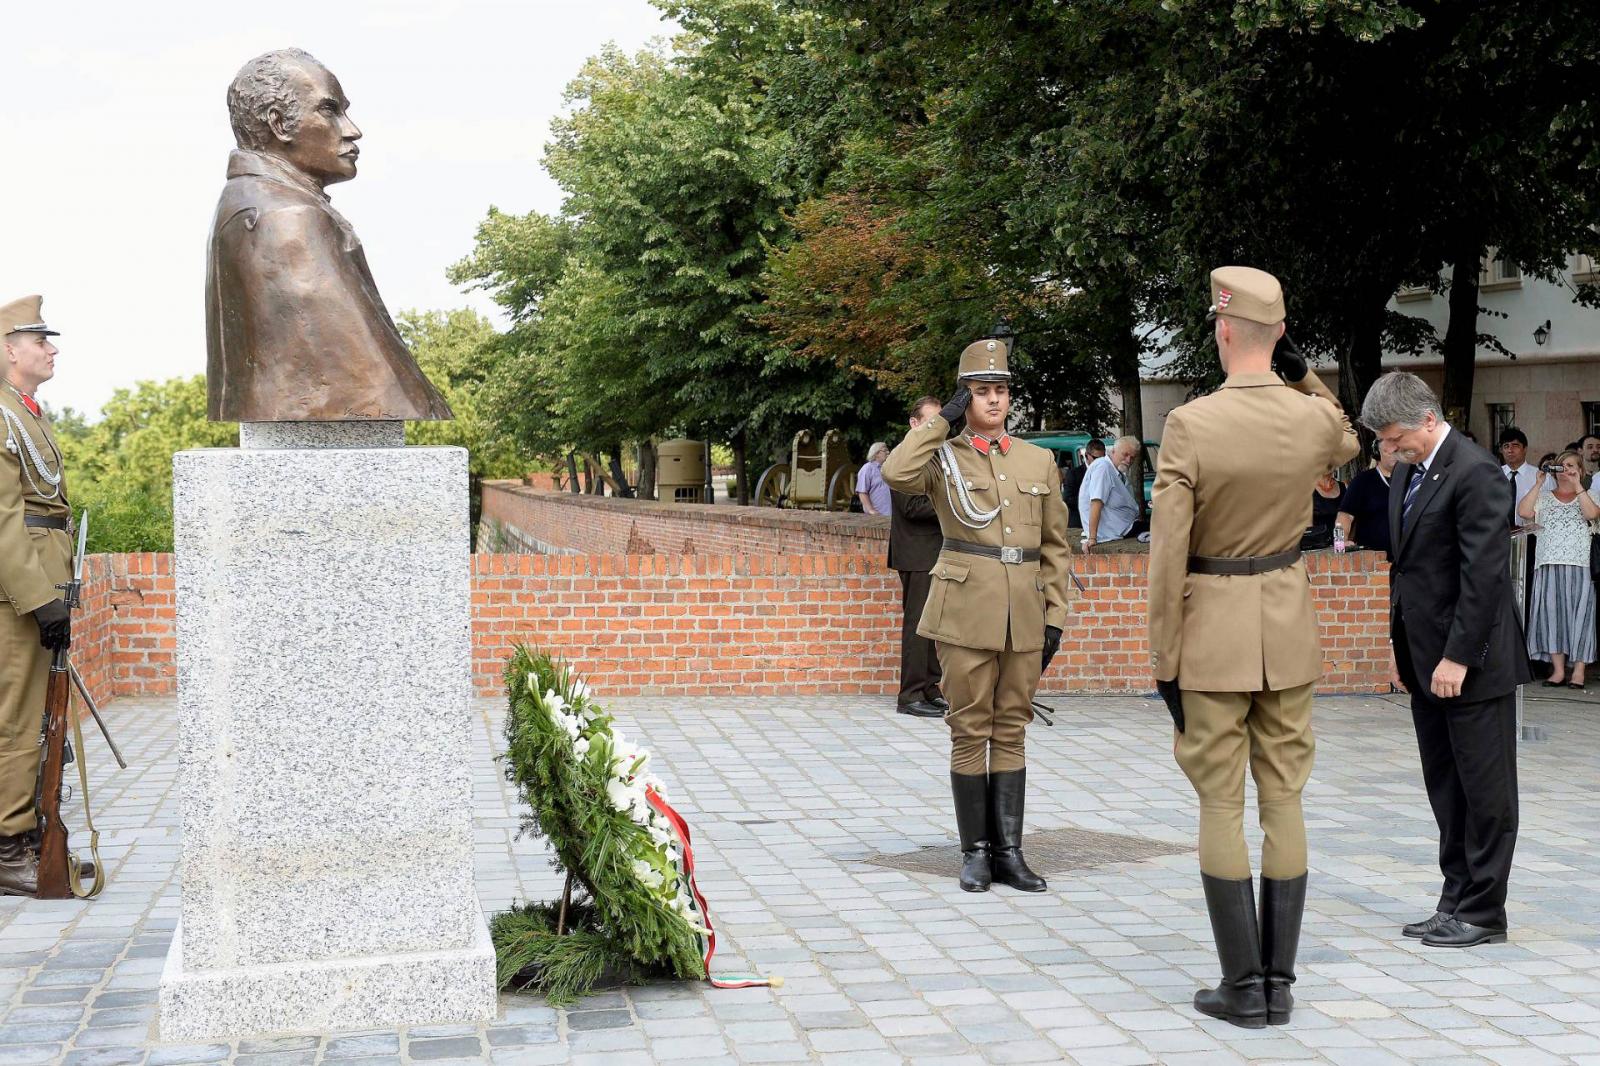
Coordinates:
295 328
914 535
31 560
975 601
1234 479
1450 588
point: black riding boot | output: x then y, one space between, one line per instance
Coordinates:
1006 794
1241 998
1283 903
972 822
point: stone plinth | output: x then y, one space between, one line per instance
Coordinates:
323 598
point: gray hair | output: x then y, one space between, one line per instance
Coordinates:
1399 399
875 447
1130 442
261 87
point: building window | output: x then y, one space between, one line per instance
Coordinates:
1591 416
1498 274
1584 270
1501 416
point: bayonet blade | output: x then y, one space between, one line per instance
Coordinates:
83 540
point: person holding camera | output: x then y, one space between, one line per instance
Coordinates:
1561 621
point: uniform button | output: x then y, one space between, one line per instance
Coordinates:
1008 529
1006 502
1002 477
969 484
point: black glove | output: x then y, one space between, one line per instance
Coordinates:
955 412
1174 698
55 625
1288 362
1052 644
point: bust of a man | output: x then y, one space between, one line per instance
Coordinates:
295 328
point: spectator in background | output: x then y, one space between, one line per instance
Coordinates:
1561 623
1521 473
914 543
1364 511
1589 448
1106 503
1327 500
872 490
1072 484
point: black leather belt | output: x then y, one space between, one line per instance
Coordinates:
1243 566
1010 556
43 521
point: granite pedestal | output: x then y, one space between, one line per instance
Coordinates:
323 614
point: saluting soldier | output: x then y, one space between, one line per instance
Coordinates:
35 555
1233 634
997 603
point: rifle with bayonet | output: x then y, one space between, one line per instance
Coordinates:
60 873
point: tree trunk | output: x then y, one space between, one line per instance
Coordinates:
1124 343
647 470
1362 360
1461 336
741 483
591 483
572 472
619 476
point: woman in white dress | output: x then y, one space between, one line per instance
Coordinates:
1561 620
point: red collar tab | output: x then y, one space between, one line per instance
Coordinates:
28 402
982 444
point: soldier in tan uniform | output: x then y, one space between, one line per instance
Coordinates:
35 555
997 602
1233 634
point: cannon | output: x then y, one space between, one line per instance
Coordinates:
819 475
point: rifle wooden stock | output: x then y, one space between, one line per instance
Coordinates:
53 856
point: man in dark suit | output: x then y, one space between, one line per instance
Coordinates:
1458 650
914 543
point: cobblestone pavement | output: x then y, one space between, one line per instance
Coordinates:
788 796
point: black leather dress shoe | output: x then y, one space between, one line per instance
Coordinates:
1418 930
1454 933
939 702
920 709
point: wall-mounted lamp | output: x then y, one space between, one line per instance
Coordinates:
1542 334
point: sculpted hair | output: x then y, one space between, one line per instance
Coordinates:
1399 399
262 86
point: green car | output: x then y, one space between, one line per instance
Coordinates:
1069 452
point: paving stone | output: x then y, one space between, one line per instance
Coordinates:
452 1047
895 966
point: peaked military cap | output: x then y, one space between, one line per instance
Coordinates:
24 316
1247 293
984 360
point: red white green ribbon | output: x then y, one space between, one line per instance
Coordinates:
681 828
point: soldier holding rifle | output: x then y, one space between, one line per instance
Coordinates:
35 557
997 603
1233 633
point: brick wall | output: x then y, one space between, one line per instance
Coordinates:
122 640
531 519
736 624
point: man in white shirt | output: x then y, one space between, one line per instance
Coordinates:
1106 503
1521 473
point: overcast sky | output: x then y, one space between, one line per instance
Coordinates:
115 138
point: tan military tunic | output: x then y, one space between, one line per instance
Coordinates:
1235 479
32 562
988 616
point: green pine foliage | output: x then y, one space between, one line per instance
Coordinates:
630 920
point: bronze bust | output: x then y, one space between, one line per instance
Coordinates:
295 328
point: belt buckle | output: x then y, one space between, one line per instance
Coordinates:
1010 555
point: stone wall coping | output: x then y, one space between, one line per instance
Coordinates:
841 522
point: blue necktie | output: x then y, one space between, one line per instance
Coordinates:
1411 494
